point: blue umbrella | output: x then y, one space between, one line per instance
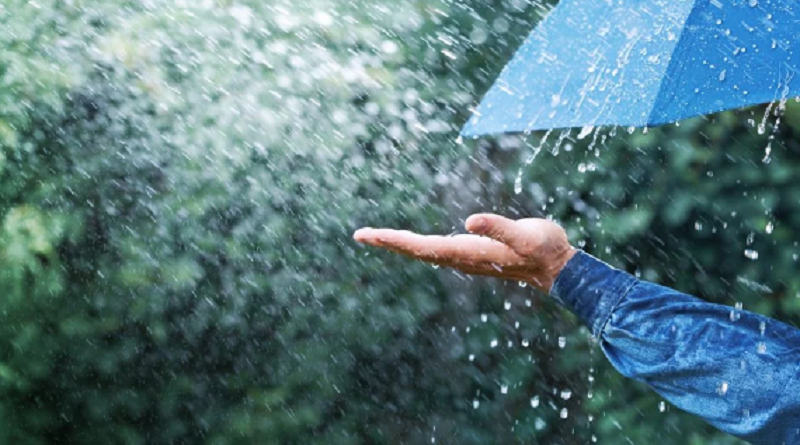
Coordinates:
641 63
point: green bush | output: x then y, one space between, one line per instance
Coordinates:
178 187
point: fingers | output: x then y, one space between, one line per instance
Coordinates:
456 251
502 229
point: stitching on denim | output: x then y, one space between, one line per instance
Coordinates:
607 318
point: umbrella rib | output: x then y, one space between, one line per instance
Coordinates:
651 117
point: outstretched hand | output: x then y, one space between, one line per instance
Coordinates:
529 250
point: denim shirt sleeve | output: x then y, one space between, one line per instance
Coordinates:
733 368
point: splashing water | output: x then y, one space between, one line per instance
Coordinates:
585 132
529 160
563 137
779 113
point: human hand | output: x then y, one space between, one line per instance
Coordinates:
528 250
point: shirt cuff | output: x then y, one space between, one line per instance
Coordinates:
591 289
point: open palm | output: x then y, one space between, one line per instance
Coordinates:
529 250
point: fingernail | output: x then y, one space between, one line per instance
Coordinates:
480 223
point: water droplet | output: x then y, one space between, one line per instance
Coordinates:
523 284
518 183
484 318
493 343
472 357
507 305
585 131
476 403
566 394
722 75
525 343
535 402
562 342
503 389
722 389
770 228
753 3
564 413
662 406
751 254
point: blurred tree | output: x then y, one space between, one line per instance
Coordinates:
179 185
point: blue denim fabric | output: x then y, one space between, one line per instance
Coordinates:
737 370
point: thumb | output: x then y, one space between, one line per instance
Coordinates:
505 230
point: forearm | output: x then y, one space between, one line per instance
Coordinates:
737 372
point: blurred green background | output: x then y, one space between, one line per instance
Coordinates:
179 182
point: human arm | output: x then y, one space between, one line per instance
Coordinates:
728 370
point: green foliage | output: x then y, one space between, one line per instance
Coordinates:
178 186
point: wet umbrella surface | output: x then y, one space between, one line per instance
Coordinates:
644 63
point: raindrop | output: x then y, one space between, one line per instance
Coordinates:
523 284
525 343
564 413
662 406
518 183
566 394
770 228
585 131
472 357
535 402
503 389
476 403
484 318
751 254
493 343
722 75
722 389
562 342
762 127
753 3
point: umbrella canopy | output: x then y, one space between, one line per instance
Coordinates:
644 63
